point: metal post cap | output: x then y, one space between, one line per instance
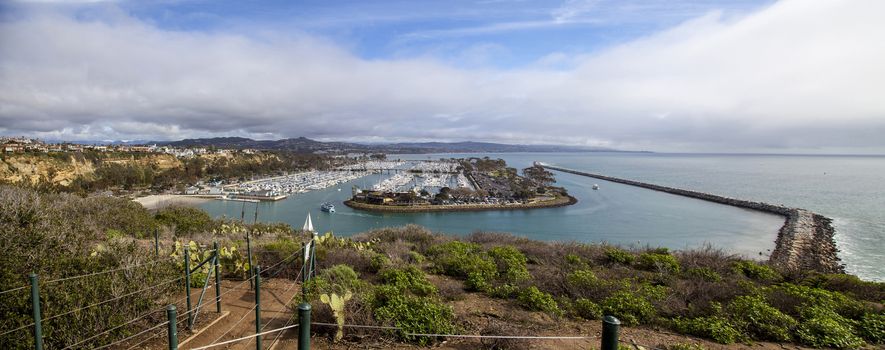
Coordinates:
170 308
304 306
611 320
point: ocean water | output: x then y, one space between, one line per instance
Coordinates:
849 189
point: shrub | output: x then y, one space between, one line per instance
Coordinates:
582 279
408 279
848 284
714 327
533 299
185 220
465 260
416 258
753 315
658 262
822 327
342 278
756 271
685 346
379 262
618 256
630 308
587 309
872 328
511 264
414 314
704 274
573 259
793 298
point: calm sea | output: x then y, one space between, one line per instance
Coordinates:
849 189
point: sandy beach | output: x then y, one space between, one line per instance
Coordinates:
164 200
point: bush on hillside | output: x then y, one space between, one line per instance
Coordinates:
656 262
618 256
756 271
533 299
632 309
716 328
758 319
872 328
587 309
822 327
703 274
185 221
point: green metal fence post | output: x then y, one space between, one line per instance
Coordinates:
304 326
171 314
610 327
187 285
249 256
35 303
157 241
217 279
304 273
257 307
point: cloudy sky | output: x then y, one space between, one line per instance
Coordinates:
663 75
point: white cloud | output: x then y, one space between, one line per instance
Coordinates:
798 74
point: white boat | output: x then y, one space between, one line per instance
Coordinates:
595 186
327 207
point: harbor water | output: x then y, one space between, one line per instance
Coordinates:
848 189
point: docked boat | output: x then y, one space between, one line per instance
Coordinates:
327 207
595 186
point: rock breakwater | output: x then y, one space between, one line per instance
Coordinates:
804 242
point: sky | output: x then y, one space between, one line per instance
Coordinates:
680 75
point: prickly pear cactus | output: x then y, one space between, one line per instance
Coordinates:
337 302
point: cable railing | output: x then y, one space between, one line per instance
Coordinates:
63 279
284 305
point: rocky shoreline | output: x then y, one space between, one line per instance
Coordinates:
560 202
804 242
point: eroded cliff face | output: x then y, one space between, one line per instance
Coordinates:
34 169
63 169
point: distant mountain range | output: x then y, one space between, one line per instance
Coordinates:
305 145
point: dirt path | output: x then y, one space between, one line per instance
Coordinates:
275 295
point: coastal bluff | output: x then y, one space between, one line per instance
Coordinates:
804 242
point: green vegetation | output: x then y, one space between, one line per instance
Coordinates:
587 309
618 256
755 317
756 271
704 274
685 346
536 300
185 221
716 328
658 262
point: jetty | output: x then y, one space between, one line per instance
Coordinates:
804 242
